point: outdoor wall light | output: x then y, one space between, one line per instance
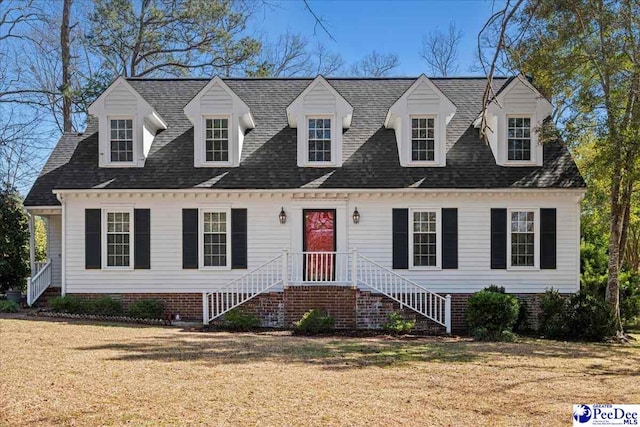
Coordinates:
356 216
283 216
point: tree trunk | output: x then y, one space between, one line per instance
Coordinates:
612 294
65 50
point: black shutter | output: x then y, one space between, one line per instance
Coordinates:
548 238
92 238
238 238
400 238
190 238
498 238
142 238
450 238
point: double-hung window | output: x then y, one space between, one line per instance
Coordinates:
423 139
121 140
216 139
425 230
519 138
118 238
215 238
319 139
522 238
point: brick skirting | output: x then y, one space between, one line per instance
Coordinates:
352 308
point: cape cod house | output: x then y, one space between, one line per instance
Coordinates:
355 196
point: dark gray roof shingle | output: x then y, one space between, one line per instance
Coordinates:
269 152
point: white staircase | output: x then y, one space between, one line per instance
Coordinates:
241 290
331 268
404 291
37 284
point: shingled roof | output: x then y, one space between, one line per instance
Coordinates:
269 153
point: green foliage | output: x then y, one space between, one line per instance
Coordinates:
14 242
40 237
579 317
522 323
170 37
106 306
8 306
70 304
495 288
240 320
397 324
483 334
490 312
314 322
146 309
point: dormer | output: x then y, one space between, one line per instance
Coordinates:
127 125
514 118
419 118
320 114
220 120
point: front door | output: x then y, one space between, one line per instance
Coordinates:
319 243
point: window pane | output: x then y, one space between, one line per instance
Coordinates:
422 139
118 239
522 238
215 239
519 138
424 239
319 148
216 140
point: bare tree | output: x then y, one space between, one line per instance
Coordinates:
65 50
440 50
375 65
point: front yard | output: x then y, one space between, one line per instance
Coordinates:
68 373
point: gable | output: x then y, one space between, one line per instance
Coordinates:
320 97
121 98
423 95
216 98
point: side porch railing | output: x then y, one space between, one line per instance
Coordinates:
41 280
331 268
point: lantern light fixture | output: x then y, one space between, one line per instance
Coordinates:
283 216
356 216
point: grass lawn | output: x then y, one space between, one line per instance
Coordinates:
68 373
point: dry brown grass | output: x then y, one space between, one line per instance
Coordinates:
60 373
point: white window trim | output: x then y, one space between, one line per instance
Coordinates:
134 145
230 135
536 240
438 212
534 140
333 161
201 212
117 209
436 141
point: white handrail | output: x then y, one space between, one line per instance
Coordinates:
242 289
320 267
39 283
404 291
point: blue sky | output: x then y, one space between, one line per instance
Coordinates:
386 26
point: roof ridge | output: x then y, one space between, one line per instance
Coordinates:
313 78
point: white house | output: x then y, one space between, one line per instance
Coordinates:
355 196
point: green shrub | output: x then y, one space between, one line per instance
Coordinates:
589 318
70 304
522 322
146 309
397 324
495 288
490 312
314 322
8 306
106 306
239 320
580 317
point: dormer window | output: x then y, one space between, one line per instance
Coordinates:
121 140
217 139
419 118
319 143
127 126
519 138
423 141
321 115
220 120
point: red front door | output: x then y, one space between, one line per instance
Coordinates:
319 244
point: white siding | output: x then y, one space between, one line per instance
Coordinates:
521 98
54 248
121 99
216 100
320 99
423 96
372 237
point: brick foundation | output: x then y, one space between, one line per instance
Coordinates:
352 309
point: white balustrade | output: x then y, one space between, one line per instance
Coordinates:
37 284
